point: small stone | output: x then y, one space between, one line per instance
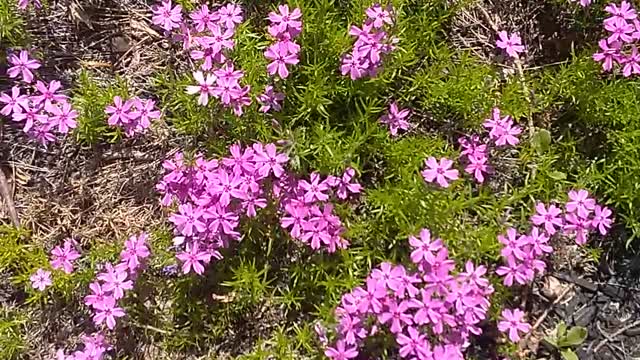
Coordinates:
633 331
552 288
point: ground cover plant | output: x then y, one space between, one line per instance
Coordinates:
313 179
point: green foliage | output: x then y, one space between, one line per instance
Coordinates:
12 32
11 333
563 339
91 100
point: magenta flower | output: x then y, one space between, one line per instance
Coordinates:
477 167
424 248
602 219
205 87
631 63
397 315
411 343
341 351
624 12
14 103
314 189
285 22
270 99
371 298
579 226
240 162
549 217
620 31
135 250
107 312
439 172
41 279
230 15
116 282
379 16
167 16
396 119
189 220
580 203
203 18
513 324
269 160
64 118
512 272
609 55
539 242
343 184
281 56
512 44
144 112
23 4
513 244
354 65
48 94
63 257
22 65
119 112
192 258
97 295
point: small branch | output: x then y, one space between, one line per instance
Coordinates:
548 311
612 336
8 199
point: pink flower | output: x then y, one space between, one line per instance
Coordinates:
23 4
549 217
97 295
203 18
477 167
379 16
440 172
144 111
22 65
395 119
285 22
205 87
108 312
167 16
625 11
620 31
192 258
14 103
424 248
63 257
64 118
314 189
512 44
270 99
631 63
610 54
602 219
41 279
269 160
281 56
513 324
412 343
341 351
119 112
230 15
580 202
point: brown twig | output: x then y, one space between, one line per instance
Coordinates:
548 311
611 337
8 199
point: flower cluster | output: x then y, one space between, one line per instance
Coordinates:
208 37
133 116
475 151
431 310
113 281
285 26
307 213
94 348
620 47
212 196
372 43
62 258
395 119
523 254
512 44
41 109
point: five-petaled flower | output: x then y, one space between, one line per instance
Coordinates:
440 172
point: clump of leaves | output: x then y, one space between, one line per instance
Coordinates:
563 339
